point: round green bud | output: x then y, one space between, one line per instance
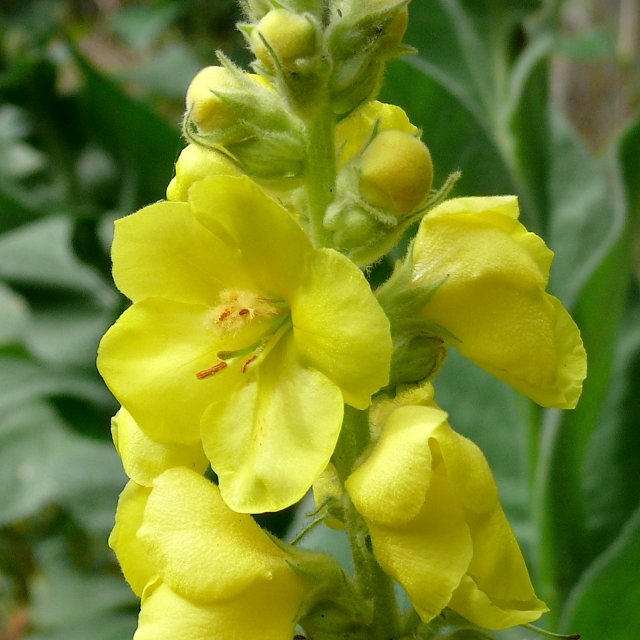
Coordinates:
396 172
290 36
354 228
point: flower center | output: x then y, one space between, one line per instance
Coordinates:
238 308
253 320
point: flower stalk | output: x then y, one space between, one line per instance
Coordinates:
256 347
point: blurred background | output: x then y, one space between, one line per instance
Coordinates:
538 98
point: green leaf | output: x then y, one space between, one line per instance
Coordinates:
23 381
605 603
40 254
141 25
13 315
66 329
612 484
67 598
168 73
564 546
582 206
143 142
43 462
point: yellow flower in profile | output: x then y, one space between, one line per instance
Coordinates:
436 525
241 335
492 275
208 572
144 459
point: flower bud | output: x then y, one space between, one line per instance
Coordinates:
289 36
206 110
353 227
396 172
243 114
362 35
194 163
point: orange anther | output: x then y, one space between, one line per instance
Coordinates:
224 315
247 363
206 373
243 312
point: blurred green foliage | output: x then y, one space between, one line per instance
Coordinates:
90 105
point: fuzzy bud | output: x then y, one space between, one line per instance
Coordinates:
207 110
396 172
290 36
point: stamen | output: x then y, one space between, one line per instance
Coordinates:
247 362
243 312
224 315
206 373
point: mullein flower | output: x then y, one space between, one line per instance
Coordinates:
490 276
207 571
144 459
241 335
436 525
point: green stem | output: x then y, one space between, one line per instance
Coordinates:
373 584
320 172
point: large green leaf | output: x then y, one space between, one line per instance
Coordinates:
612 484
565 547
70 602
41 254
13 315
145 144
43 462
23 381
606 601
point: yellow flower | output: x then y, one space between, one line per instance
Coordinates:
492 299
242 335
436 525
143 458
209 572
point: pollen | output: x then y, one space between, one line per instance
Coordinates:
238 308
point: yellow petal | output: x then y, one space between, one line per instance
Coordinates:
137 566
340 328
202 549
493 300
149 359
144 459
270 440
265 611
390 486
194 163
163 251
430 555
431 505
273 246
497 593
467 469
